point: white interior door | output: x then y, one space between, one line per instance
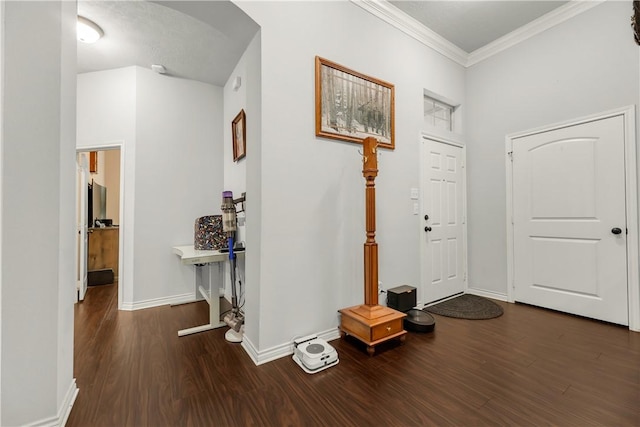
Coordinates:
82 223
570 221
443 220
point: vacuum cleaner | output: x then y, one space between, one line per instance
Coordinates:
235 318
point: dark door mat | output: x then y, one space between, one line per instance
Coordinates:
100 277
467 306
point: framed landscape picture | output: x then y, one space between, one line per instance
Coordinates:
239 134
351 106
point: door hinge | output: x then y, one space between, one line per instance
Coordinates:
510 154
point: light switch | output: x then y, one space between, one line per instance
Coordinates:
414 194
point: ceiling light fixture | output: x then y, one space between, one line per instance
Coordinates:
88 31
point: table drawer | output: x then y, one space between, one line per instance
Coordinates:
385 329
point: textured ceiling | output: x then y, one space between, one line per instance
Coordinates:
203 40
144 33
473 24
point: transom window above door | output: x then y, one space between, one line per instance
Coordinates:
438 114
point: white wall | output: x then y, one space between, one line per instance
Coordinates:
38 143
1 175
172 136
245 174
235 173
312 213
178 176
106 107
106 112
254 186
67 264
584 66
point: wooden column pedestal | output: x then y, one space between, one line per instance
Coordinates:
371 323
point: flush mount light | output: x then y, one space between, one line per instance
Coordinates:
88 31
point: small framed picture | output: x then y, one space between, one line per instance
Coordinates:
239 133
93 161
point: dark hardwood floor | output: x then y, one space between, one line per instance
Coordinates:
529 367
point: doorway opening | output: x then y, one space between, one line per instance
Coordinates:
100 219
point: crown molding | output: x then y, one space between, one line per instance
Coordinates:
400 20
413 28
546 21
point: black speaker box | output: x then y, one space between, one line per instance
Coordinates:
104 276
402 298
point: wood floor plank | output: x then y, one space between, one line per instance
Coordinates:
529 367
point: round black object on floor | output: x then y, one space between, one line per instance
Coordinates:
419 321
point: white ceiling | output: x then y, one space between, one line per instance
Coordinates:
144 33
471 25
207 48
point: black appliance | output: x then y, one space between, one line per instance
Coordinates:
404 299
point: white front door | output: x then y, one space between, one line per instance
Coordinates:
82 223
570 221
442 222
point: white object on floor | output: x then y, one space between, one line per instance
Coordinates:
314 354
233 336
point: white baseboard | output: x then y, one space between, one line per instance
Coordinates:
487 294
250 349
156 302
67 404
260 357
63 411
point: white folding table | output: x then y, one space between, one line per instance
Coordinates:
199 258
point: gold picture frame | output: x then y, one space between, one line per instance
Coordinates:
239 135
351 106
